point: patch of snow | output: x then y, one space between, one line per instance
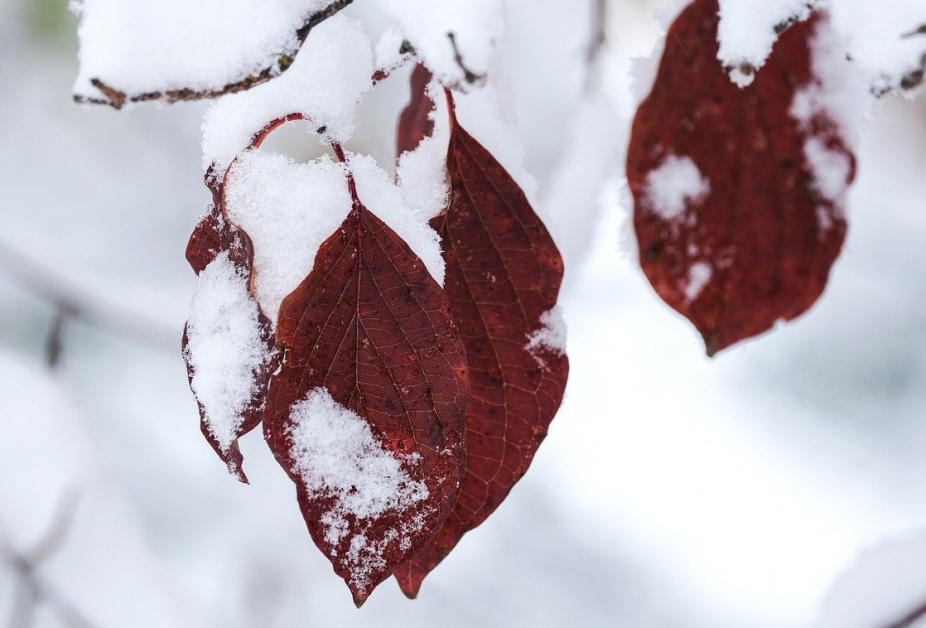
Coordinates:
224 347
338 456
326 81
288 210
747 32
551 335
380 195
388 55
831 169
673 185
158 45
699 274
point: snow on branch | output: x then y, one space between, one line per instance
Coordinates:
145 53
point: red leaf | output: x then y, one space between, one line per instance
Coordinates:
503 275
755 244
368 332
414 121
213 236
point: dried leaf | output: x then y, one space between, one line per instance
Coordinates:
503 277
415 123
734 228
368 339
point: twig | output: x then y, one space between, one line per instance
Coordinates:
468 75
116 98
910 619
71 303
33 591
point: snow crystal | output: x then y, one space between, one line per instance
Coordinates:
381 196
325 83
699 274
224 347
288 210
551 335
337 456
675 183
747 31
478 26
157 45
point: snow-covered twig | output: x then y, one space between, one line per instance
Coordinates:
116 98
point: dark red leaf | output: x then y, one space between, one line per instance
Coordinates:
503 274
414 121
370 327
214 235
757 247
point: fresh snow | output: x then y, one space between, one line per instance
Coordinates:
699 274
224 347
325 83
338 456
140 46
871 34
551 335
288 210
674 184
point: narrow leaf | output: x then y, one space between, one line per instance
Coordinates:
415 123
736 196
503 277
366 413
228 342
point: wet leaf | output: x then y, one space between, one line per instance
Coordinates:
503 277
369 343
734 227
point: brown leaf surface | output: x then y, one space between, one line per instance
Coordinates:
370 326
763 239
503 273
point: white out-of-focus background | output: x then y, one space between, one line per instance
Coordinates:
673 490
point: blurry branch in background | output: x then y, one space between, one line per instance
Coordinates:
31 591
910 619
596 43
116 98
72 304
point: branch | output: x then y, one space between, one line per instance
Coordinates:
910 619
116 98
468 75
71 303
32 590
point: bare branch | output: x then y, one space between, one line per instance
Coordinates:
116 98
468 75
46 285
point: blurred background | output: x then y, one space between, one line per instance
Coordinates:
673 490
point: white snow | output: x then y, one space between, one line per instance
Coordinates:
157 45
379 193
478 27
699 274
673 185
422 173
288 210
325 83
337 455
871 34
831 169
224 347
388 55
747 32
551 335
